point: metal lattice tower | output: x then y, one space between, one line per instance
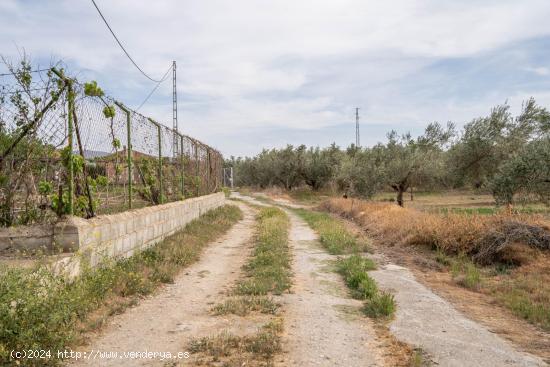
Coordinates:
357 139
174 110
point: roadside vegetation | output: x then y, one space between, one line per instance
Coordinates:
332 234
257 349
503 255
267 274
269 269
41 311
354 269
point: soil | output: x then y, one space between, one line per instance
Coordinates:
477 306
168 320
324 326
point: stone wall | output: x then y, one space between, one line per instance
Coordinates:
121 235
26 239
111 236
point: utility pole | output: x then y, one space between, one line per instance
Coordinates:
174 111
357 140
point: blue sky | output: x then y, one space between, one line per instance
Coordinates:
254 74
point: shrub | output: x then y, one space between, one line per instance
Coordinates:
482 237
39 310
381 305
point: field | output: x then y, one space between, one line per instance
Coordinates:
467 202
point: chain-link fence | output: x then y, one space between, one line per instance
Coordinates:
66 148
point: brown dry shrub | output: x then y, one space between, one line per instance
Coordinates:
486 238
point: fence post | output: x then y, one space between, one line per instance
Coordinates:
208 166
197 168
128 150
160 157
182 168
70 129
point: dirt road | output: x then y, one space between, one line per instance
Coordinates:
324 326
318 336
166 321
425 320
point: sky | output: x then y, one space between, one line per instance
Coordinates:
256 74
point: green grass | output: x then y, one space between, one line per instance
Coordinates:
236 350
332 233
268 271
244 305
491 210
41 311
354 271
527 297
382 304
465 272
521 305
526 294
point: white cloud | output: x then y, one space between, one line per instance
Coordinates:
285 64
542 71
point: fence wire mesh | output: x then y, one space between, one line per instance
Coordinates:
67 148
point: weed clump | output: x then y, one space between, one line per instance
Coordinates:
269 269
332 234
39 310
382 304
354 271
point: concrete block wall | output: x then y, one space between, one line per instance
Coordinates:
121 235
26 238
108 236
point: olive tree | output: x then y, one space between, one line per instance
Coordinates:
527 173
406 162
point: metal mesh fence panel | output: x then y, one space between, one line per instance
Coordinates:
119 158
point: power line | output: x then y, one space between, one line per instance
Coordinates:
121 46
155 88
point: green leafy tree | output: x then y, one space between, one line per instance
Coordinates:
320 166
408 162
487 142
528 173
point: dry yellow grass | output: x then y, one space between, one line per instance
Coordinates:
485 237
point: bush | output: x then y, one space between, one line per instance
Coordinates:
381 305
41 311
484 238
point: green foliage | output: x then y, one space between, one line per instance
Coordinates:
109 112
320 166
488 142
465 272
500 152
526 173
102 181
23 169
381 305
77 160
333 235
116 142
45 188
41 311
354 270
92 89
269 269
